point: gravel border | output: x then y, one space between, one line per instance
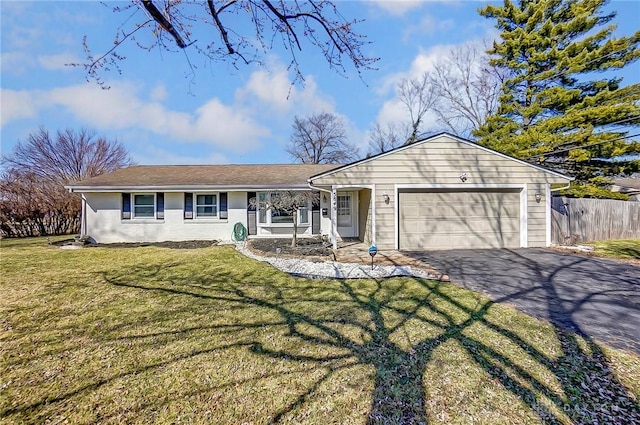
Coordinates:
335 269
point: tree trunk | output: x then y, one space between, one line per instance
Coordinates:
294 240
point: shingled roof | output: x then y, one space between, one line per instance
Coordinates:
203 176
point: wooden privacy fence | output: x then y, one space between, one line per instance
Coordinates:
575 220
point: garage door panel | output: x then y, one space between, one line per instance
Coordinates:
456 219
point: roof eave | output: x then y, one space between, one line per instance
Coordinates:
459 139
184 188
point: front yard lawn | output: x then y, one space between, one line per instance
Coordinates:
157 335
626 249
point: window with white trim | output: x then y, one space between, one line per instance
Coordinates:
144 205
343 209
206 205
276 217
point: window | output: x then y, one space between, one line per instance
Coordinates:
344 210
279 217
144 205
206 205
262 212
304 215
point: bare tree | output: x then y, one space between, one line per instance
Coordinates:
419 96
468 88
33 200
384 138
68 157
289 202
320 139
30 206
462 90
182 24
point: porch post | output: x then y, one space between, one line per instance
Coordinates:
334 216
373 214
83 216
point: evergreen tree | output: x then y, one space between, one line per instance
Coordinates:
562 104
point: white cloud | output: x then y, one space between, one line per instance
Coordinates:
392 110
159 93
16 105
261 110
272 93
428 26
398 7
121 107
423 62
16 62
58 62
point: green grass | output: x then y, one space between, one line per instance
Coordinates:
628 249
154 335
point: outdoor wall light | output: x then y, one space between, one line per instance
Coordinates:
385 195
324 198
538 197
463 177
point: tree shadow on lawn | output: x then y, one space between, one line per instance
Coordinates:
394 327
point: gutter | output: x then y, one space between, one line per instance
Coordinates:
560 188
221 188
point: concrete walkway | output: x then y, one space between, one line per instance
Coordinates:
594 297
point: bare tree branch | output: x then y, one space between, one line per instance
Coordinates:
468 89
320 139
292 22
163 22
33 200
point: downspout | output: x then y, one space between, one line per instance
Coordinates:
334 240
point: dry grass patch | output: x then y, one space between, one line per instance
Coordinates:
150 334
626 249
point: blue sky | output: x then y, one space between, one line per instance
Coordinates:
164 114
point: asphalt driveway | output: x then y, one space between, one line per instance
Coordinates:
595 297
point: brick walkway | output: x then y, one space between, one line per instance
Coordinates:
358 252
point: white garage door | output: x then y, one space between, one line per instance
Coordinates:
456 219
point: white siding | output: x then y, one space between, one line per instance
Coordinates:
105 225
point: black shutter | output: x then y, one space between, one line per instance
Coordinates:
160 205
223 205
188 206
315 214
252 227
126 206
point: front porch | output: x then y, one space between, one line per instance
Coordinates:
348 213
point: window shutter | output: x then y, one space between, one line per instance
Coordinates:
160 205
188 206
223 205
126 206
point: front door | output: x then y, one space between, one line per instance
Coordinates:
347 214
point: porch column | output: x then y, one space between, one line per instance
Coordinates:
373 215
334 216
83 216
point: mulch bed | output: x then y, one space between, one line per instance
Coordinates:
307 247
166 244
